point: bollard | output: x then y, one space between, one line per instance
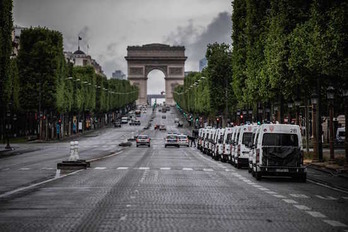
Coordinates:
74 161
72 146
76 151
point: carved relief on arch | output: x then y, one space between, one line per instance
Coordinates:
136 71
149 68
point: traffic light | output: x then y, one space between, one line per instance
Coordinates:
241 116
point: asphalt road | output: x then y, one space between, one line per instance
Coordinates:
157 189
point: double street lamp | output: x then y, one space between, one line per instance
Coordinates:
314 101
330 95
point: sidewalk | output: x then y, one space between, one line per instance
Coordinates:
337 167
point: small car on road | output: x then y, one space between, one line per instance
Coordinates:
143 140
162 127
171 140
183 140
117 124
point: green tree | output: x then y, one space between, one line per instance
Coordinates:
42 70
219 73
6 25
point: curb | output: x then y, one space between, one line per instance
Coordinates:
329 170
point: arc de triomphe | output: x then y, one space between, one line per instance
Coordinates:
142 60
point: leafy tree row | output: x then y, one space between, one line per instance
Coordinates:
281 51
6 24
208 93
47 80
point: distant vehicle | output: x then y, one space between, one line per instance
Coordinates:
143 140
117 124
176 120
180 124
278 152
156 127
164 117
135 123
138 113
183 140
162 127
340 135
124 120
171 140
160 110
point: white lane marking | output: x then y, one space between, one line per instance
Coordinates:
122 168
100 168
144 168
5 169
257 186
264 189
279 196
299 195
327 198
335 223
24 169
326 186
187 169
271 192
123 218
208 170
316 214
38 184
290 201
229 170
47 168
302 207
165 168
104 157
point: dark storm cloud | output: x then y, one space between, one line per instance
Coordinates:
219 30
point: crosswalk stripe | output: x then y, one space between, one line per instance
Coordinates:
290 201
187 169
208 170
316 214
122 168
165 168
299 195
302 207
335 223
24 169
100 168
144 168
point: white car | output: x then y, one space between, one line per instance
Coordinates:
183 140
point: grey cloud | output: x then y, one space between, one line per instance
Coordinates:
219 30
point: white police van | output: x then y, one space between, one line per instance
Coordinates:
226 154
241 157
278 152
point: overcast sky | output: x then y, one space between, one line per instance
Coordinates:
109 26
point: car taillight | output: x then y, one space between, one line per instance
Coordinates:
186 140
137 140
148 140
257 155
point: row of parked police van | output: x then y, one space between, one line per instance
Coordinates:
266 150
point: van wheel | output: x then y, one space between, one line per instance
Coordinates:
302 178
258 176
238 166
252 172
249 170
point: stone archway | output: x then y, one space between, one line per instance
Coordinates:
141 60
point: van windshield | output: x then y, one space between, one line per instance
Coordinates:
341 133
228 138
247 138
288 140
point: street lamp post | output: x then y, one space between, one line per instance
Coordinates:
345 95
330 94
290 105
297 104
314 101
